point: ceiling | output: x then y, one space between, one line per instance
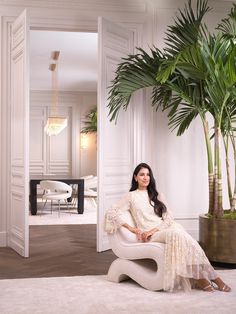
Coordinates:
77 66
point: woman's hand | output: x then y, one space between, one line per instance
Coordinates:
145 236
138 233
135 230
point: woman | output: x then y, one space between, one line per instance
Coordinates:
184 258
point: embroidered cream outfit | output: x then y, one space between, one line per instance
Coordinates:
184 258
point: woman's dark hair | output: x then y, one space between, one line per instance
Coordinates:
159 207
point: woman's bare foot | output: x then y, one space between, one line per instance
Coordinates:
205 285
221 285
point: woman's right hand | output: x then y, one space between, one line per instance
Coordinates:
138 233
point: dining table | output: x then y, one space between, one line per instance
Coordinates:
35 180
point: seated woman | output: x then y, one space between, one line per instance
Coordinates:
185 262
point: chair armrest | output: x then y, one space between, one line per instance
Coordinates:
136 250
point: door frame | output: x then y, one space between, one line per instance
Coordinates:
46 24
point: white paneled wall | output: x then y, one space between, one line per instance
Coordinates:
153 142
37 139
61 154
58 149
88 156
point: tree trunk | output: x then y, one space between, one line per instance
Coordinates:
218 208
210 166
232 208
226 146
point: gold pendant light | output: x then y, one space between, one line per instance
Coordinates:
55 124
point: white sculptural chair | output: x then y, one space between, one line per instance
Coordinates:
56 190
142 262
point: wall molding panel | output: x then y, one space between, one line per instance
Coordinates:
152 141
59 154
5 128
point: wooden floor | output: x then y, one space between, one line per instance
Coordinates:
60 250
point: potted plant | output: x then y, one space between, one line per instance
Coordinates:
194 75
90 122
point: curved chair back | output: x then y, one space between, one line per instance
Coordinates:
90 176
56 190
56 186
90 183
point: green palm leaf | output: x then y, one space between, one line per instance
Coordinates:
228 25
134 73
90 122
187 28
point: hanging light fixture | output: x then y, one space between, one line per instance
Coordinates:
55 124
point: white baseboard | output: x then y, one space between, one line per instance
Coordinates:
3 239
190 225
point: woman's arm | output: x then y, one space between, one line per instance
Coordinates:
113 219
134 230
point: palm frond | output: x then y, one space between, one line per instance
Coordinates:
228 25
187 28
182 118
189 108
218 55
191 64
135 72
90 122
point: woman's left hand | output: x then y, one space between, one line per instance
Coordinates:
147 234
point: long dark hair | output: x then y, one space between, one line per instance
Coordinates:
159 207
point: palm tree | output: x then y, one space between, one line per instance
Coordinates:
194 75
228 29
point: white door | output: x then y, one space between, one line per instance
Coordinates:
18 229
115 141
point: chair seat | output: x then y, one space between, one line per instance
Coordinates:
142 262
90 193
56 196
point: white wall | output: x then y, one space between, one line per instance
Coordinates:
61 154
49 154
88 156
173 159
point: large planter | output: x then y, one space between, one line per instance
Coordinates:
217 237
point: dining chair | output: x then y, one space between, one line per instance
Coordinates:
75 189
90 190
56 190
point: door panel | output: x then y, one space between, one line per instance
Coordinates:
115 141
19 172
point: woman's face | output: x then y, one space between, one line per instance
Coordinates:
142 178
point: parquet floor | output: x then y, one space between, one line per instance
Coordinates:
57 250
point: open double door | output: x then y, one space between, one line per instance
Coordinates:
115 141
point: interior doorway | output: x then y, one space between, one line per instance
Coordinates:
114 164
63 154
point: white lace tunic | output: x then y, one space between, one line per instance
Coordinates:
184 258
